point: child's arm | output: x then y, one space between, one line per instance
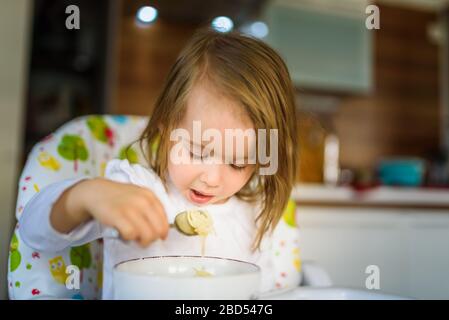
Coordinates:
72 212
69 211
134 211
34 223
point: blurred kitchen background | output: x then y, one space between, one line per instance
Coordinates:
373 112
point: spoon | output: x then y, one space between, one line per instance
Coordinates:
189 223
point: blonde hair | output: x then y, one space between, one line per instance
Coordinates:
252 73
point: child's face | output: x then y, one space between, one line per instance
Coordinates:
220 180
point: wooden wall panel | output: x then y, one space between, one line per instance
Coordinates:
145 57
401 116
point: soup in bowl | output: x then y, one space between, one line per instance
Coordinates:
186 277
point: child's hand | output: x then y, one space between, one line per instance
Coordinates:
134 211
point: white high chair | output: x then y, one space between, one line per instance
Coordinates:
82 147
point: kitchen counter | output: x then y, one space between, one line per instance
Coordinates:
379 197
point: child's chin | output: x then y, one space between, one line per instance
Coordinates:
218 201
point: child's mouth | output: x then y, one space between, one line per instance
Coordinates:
198 197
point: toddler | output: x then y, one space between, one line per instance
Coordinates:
220 83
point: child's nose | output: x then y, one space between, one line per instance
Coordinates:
211 175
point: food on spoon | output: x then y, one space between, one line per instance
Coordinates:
200 221
194 222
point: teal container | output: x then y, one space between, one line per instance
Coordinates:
401 172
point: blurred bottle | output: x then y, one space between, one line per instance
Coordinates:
311 143
438 170
331 165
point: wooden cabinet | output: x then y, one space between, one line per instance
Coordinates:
410 247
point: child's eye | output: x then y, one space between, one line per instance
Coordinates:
195 156
237 167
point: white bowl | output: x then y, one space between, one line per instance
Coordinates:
174 277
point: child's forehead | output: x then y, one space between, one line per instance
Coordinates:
214 110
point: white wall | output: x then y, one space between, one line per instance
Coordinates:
15 34
411 247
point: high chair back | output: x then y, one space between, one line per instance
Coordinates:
82 147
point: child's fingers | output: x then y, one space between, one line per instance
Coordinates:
146 233
160 225
156 203
125 228
156 209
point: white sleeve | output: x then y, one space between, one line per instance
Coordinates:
123 171
34 224
36 230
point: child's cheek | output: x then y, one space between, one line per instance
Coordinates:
182 175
